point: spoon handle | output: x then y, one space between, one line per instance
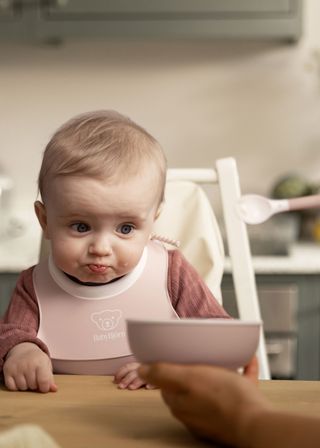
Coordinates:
304 202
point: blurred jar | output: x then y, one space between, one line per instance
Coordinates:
310 225
316 229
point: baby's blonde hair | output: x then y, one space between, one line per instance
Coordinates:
102 144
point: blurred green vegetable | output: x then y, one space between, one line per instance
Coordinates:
292 186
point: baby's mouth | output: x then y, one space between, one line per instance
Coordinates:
98 268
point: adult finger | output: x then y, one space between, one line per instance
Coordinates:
251 371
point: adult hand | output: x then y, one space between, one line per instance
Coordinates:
212 402
251 370
127 377
28 367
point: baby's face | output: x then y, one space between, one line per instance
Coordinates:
98 230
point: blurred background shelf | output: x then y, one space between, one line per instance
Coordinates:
51 21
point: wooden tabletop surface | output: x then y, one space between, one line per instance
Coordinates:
90 412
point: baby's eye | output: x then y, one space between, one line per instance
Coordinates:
80 227
125 229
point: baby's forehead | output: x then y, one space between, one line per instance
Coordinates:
86 197
104 215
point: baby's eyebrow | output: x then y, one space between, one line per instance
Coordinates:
72 217
132 219
121 217
129 216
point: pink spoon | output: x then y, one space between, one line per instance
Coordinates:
255 209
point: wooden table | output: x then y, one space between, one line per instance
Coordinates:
90 412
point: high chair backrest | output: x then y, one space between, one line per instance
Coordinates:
187 217
200 237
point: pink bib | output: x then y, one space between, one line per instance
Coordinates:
84 327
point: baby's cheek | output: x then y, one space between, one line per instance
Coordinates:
64 254
126 263
129 260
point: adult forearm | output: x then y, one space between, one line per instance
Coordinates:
278 429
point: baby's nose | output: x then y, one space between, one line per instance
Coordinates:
100 246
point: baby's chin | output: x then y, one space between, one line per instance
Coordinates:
90 280
97 279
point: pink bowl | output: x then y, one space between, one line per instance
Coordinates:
228 343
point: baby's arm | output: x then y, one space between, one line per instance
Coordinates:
127 377
28 367
189 294
18 330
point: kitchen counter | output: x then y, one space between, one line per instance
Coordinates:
303 258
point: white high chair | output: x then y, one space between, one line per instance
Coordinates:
188 216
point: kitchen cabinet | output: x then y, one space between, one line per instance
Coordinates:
13 23
306 334
7 12
7 283
63 19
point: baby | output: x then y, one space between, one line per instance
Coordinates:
102 184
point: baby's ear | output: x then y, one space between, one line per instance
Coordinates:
41 213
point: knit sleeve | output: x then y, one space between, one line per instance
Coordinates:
21 321
189 295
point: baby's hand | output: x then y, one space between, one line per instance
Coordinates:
127 377
28 367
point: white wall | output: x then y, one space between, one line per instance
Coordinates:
202 100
